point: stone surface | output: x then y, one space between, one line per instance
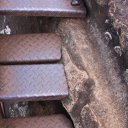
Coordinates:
102 2
118 12
98 96
98 2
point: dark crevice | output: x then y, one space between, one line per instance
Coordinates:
34 109
43 108
113 44
31 63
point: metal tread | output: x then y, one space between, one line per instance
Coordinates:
53 121
54 8
32 82
30 48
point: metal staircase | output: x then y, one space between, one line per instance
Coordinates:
30 64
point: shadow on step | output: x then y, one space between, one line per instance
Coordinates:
34 109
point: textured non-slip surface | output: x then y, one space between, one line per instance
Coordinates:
54 121
56 8
32 82
30 48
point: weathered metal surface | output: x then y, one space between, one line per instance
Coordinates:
54 8
32 82
54 121
30 48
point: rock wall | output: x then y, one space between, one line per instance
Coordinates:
118 12
98 96
95 65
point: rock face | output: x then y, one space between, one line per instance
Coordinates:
102 2
98 95
118 12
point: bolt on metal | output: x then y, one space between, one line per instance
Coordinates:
75 2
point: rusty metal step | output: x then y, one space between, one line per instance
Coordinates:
30 48
54 8
54 121
32 82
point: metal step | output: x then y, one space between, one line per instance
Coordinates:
32 82
30 48
54 121
54 8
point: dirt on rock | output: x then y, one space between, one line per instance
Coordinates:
98 97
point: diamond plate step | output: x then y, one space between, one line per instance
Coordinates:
54 8
54 121
30 48
32 82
